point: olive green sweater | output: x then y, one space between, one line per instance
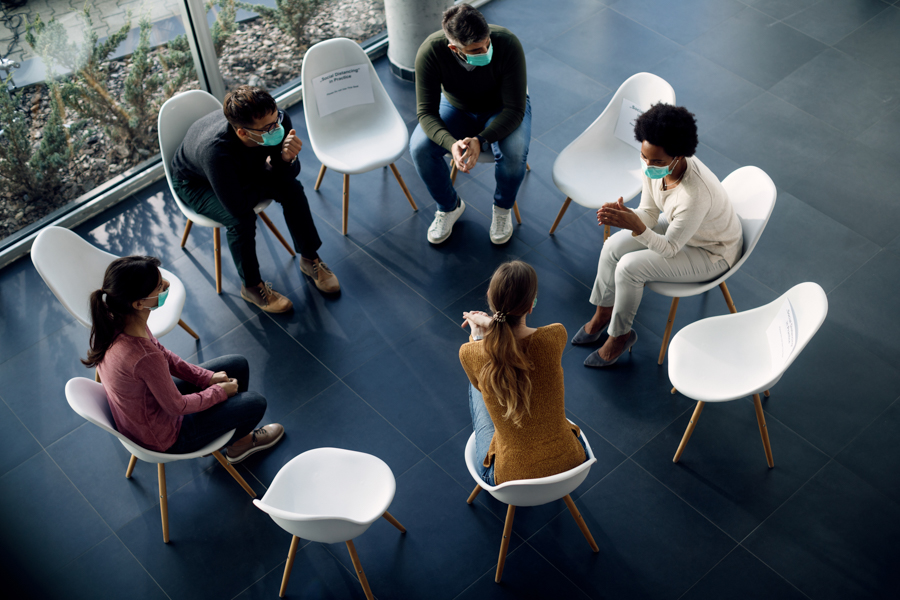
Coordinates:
498 86
547 443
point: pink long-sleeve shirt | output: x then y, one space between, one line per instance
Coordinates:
145 404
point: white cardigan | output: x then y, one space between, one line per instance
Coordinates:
698 212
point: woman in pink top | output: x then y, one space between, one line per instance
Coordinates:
175 416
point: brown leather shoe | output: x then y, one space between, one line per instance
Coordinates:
261 439
266 298
322 276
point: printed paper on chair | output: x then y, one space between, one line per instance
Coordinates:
782 334
629 113
343 88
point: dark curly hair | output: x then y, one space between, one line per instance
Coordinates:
672 127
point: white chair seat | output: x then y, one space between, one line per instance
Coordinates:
206 221
384 144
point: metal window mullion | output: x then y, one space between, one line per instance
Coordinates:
206 63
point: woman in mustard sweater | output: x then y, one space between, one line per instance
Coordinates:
516 391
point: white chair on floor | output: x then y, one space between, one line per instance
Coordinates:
330 495
73 268
356 139
175 118
532 492
752 194
597 167
729 357
88 399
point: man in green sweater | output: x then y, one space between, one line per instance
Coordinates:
484 108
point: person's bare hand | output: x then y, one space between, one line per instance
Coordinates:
619 215
230 387
218 377
291 146
478 321
465 153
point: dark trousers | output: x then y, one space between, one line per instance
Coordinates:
241 233
242 412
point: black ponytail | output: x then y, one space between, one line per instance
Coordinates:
126 280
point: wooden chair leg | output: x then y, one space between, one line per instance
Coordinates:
187 230
265 219
606 232
474 494
580 521
763 431
527 167
560 214
689 430
665 341
403 186
97 376
319 178
163 501
131 462
674 391
188 329
359 570
233 472
390 519
767 393
292 553
217 249
728 299
516 211
504 544
346 203
452 172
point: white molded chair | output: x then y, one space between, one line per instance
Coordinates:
88 399
356 139
175 118
73 268
532 492
728 357
597 167
330 495
752 194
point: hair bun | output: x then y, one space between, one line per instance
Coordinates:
499 317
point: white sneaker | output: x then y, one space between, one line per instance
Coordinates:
442 226
501 225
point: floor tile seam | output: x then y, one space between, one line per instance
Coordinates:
855 271
266 574
711 569
874 125
566 120
768 566
327 548
680 415
30 346
25 427
772 417
888 6
691 506
863 430
831 127
554 263
305 349
603 6
553 566
662 35
594 432
258 480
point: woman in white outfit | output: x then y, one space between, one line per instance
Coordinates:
685 230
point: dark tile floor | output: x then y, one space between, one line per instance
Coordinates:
808 90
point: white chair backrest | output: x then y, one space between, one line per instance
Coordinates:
753 194
175 118
71 267
810 308
644 88
331 55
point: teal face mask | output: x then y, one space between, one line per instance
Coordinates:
481 60
657 172
161 299
272 138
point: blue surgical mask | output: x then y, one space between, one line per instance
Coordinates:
161 299
657 172
272 138
480 60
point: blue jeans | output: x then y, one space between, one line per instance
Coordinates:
484 433
510 154
242 412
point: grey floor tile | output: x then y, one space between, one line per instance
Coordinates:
693 18
831 20
533 24
873 457
884 135
780 9
16 442
877 42
742 575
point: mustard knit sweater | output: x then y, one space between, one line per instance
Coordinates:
547 443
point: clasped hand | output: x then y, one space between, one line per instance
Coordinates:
465 153
478 322
230 385
616 214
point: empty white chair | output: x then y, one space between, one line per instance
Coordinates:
330 495
729 357
355 139
752 193
532 492
88 399
73 268
597 167
175 118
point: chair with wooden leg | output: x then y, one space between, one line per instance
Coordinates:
531 492
752 193
736 356
330 495
175 118
355 139
89 400
73 268
488 158
599 167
